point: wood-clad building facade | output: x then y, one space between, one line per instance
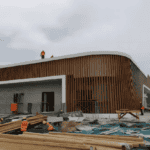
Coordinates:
96 82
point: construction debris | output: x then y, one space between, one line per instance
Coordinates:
69 126
76 124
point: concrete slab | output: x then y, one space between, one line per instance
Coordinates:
80 119
77 119
108 116
54 119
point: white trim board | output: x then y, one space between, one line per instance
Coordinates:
63 77
144 86
73 56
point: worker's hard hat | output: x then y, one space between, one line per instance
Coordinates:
24 117
44 122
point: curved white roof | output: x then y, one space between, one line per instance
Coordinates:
73 56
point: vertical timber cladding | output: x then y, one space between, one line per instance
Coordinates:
97 80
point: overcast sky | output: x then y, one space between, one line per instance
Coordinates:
63 27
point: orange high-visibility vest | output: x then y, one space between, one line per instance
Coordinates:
42 53
24 125
50 127
142 107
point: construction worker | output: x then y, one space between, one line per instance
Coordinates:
50 127
42 54
24 125
141 108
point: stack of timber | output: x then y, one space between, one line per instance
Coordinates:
109 141
17 124
82 141
10 126
49 142
67 141
36 119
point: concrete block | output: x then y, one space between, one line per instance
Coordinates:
54 119
80 119
73 118
15 119
115 116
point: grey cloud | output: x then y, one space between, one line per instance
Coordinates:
72 25
71 21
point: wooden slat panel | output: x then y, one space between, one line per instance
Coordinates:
43 68
0 74
115 91
53 66
105 57
102 63
56 67
107 68
72 83
52 71
40 70
122 93
48 69
120 83
116 73
66 67
94 85
96 93
59 67
109 87
112 83
115 104
69 94
100 90
118 94
101 98
37 70
85 75
104 84
32 70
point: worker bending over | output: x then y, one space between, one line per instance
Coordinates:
50 127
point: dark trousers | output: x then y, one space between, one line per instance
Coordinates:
142 111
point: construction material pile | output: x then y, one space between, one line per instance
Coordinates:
10 126
69 126
14 125
36 119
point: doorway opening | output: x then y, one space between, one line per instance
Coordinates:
146 97
19 99
47 101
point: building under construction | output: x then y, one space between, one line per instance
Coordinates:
94 82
